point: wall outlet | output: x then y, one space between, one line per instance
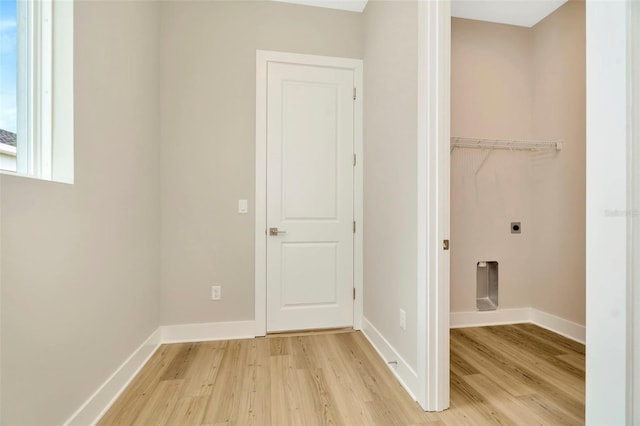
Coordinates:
403 319
516 228
216 292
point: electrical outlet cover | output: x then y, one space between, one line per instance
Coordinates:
216 292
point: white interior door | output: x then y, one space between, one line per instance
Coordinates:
310 180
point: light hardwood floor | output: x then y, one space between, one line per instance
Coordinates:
515 374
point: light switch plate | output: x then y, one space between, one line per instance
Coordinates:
243 206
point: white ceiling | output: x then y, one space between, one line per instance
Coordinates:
525 13
352 5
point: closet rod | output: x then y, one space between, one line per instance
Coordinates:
509 144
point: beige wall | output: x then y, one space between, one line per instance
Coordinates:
80 263
491 97
559 108
208 141
1 327
168 102
510 83
390 175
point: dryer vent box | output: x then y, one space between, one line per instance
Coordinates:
487 286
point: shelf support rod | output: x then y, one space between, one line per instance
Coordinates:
484 160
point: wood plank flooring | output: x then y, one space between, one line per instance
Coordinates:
514 374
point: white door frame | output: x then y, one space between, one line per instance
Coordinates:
434 48
612 243
263 57
634 142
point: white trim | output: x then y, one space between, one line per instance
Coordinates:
358 199
422 215
434 51
559 325
43 147
633 188
261 196
45 26
35 115
97 405
62 136
540 318
203 332
102 399
406 375
24 13
607 322
497 317
315 60
262 58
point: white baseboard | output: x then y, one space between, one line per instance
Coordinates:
98 403
95 407
407 377
559 325
554 323
484 318
208 331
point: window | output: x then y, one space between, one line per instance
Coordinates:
8 80
34 84
36 80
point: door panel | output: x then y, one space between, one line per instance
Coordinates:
310 143
309 197
315 265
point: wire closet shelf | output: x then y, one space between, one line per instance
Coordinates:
507 144
489 145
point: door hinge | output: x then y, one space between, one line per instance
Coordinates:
445 245
354 93
354 226
354 293
354 160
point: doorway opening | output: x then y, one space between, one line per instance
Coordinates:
518 193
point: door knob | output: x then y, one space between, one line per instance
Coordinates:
274 232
